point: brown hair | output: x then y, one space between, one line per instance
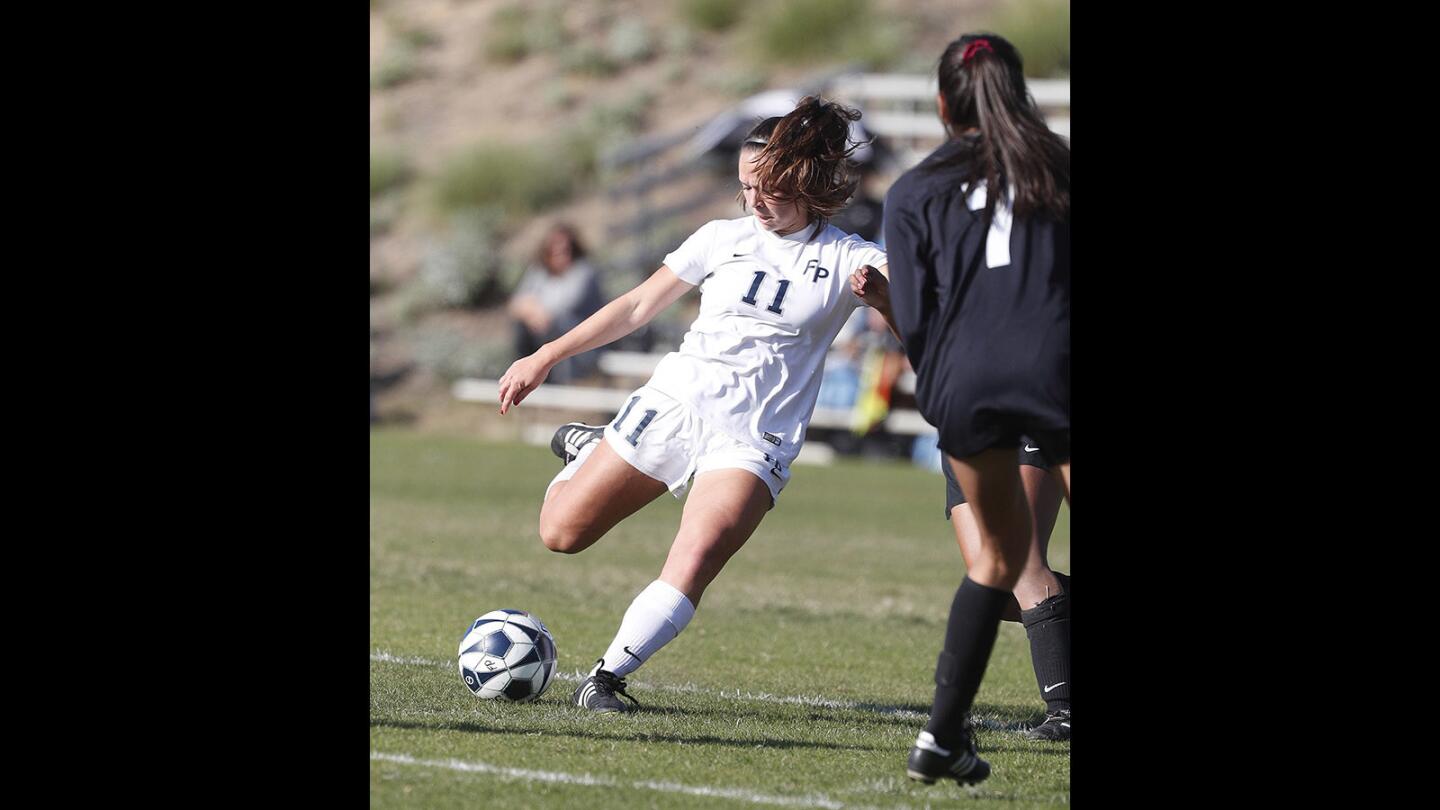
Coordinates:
983 82
577 250
805 157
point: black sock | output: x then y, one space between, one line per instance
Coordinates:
969 638
1048 627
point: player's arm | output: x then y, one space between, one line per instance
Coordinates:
873 287
615 320
907 250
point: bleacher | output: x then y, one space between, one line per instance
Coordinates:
626 371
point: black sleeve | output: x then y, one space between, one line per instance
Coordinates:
906 250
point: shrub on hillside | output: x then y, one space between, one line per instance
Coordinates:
384 213
680 42
546 30
506 40
806 30
1040 30
388 170
812 31
712 15
398 64
588 60
629 42
521 180
738 83
417 36
521 29
605 127
465 269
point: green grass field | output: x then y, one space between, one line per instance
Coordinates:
801 682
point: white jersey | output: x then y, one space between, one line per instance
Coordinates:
770 307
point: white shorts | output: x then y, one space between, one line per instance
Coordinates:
666 440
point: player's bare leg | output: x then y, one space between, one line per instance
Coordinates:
996 495
1065 478
1045 603
1042 494
604 491
993 488
723 510
1037 582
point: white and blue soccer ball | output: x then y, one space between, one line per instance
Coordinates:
507 655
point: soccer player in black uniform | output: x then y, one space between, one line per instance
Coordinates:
978 237
1047 592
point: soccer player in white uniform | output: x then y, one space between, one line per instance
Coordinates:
728 409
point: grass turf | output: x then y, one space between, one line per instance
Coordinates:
801 681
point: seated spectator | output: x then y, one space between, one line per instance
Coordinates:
557 292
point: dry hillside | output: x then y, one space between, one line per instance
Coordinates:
562 85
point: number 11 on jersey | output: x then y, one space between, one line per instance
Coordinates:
755 290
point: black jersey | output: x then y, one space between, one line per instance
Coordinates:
983 308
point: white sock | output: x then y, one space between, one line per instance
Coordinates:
568 471
656 617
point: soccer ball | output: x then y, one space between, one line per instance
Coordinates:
507 655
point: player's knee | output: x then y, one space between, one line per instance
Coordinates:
1005 576
1013 557
561 537
706 561
995 571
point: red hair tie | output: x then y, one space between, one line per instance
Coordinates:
975 46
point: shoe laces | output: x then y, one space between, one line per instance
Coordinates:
610 682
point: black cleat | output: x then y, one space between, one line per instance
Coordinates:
1056 727
928 761
570 438
597 692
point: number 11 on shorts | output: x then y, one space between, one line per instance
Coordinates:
640 428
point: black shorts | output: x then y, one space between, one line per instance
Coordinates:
999 418
1030 455
993 384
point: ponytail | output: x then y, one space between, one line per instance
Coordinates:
983 83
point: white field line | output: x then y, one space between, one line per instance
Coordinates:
738 794
387 658
986 723
763 697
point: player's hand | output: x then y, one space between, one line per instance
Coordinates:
871 286
523 376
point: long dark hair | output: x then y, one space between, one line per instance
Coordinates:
983 82
805 156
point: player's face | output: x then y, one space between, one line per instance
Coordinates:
777 216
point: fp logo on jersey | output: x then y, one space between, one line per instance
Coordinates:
813 267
